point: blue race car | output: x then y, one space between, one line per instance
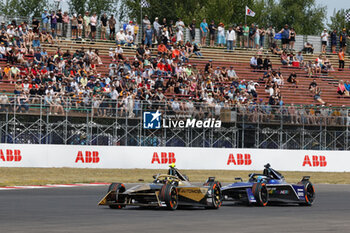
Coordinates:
269 187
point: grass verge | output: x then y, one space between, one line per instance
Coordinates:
43 176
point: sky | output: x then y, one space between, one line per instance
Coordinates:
333 4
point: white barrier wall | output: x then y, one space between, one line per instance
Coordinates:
17 155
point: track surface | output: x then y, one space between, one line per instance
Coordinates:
76 210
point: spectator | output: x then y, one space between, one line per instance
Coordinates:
93 26
292 39
45 17
270 36
130 28
324 39
104 21
121 38
148 36
293 79
111 24
180 25
221 35
212 31
252 31
284 58
246 35
267 63
285 32
130 39
179 36
65 20
317 95
239 31
74 26
341 56
80 27
192 28
53 19
342 89
59 22
308 48
87 26
204 32
231 73
262 37
231 39
342 39
257 37
146 23
299 57
334 40
312 86
157 30
254 62
275 49
259 62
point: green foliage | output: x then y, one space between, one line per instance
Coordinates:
23 7
338 20
304 15
98 6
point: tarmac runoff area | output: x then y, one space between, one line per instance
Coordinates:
75 210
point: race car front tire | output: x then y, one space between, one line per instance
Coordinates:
117 187
309 192
260 193
215 188
169 195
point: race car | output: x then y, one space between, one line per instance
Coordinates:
167 190
269 187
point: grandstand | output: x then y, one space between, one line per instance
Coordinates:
250 123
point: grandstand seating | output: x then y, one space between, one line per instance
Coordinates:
240 60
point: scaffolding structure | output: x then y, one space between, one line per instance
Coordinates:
239 129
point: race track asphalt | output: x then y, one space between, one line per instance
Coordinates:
75 210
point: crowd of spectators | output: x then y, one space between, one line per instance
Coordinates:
164 79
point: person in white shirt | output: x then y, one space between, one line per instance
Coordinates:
230 38
180 25
119 53
93 24
253 62
324 39
179 35
129 39
130 28
231 73
121 38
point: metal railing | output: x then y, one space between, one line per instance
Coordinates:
69 120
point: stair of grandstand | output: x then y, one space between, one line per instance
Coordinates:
240 59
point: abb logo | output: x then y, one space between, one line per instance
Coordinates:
10 156
90 157
240 159
317 161
164 158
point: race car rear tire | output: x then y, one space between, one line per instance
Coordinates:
216 201
169 195
309 191
116 187
260 193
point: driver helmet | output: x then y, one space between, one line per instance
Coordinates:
259 179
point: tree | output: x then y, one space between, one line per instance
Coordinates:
26 8
77 6
31 7
338 20
98 6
